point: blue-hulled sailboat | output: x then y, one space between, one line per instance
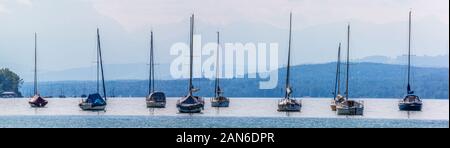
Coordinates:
191 103
95 102
36 101
155 99
289 104
411 102
219 100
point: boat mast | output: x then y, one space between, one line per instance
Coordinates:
35 64
348 60
150 75
101 62
191 87
98 62
409 55
216 93
153 66
337 89
288 89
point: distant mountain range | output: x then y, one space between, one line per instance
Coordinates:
138 71
368 80
419 61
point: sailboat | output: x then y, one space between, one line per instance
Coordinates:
154 99
288 104
411 102
191 103
338 98
36 101
349 107
95 102
219 100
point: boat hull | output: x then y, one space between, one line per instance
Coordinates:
410 103
289 106
190 108
156 100
90 107
153 104
355 111
410 106
194 105
38 105
220 102
37 102
333 107
350 108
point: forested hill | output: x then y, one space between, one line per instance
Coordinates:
367 80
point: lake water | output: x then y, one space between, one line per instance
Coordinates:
243 112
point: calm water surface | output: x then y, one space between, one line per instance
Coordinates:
243 112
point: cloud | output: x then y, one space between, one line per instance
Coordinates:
5 5
135 14
25 2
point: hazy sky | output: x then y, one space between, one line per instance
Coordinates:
66 28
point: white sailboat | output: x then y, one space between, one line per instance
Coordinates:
338 98
289 104
219 100
155 99
349 107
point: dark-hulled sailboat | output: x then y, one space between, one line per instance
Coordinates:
36 101
219 100
411 102
155 99
191 103
338 98
349 107
289 104
95 102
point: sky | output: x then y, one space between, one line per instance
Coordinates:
66 28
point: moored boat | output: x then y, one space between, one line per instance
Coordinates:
155 99
410 102
289 104
95 102
349 107
191 103
219 100
36 101
338 98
